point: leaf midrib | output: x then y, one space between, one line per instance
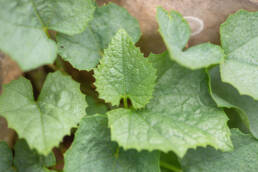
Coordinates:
37 14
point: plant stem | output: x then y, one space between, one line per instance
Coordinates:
117 152
170 167
125 102
46 31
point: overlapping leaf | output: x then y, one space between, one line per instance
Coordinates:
124 73
226 95
169 161
24 23
95 107
43 123
243 158
175 32
84 50
92 150
239 39
180 116
26 160
6 158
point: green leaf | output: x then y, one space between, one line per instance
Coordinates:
175 32
84 50
25 22
94 107
180 116
6 158
43 123
110 18
92 150
124 73
243 158
169 162
26 160
239 39
227 96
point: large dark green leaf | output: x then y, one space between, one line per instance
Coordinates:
92 150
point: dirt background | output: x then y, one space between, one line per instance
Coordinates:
211 12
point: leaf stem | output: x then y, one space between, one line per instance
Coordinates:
60 65
46 31
117 152
125 102
169 166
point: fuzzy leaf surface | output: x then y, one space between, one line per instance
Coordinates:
24 23
84 50
244 157
92 150
176 32
181 114
239 39
44 122
124 73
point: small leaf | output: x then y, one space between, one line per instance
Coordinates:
6 158
239 39
95 107
124 73
43 123
169 161
175 32
30 161
243 158
92 150
84 50
227 96
25 22
181 115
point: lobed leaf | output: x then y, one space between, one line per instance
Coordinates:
44 122
25 22
180 116
84 50
239 39
124 73
92 150
175 32
243 158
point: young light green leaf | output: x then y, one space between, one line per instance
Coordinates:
92 150
175 32
84 50
227 96
6 158
95 107
26 160
243 158
239 39
124 73
25 22
181 115
43 123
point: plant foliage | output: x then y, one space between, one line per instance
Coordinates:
168 112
